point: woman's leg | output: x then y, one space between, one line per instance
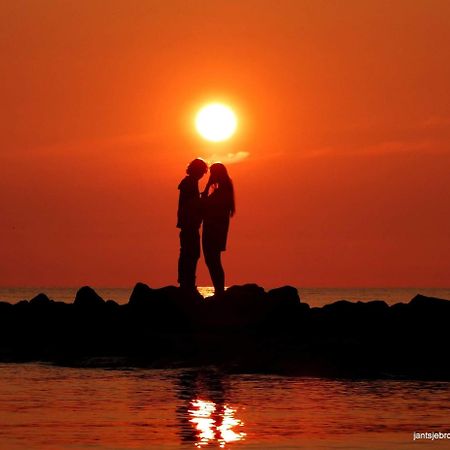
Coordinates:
214 264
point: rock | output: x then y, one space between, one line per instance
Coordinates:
285 311
141 293
240 306
286 296
339 307
112 304
172 294
421 301
374 306
5 307
428 316
144 296
23 304
86 297
246 328
398 307
250 290
345 308
41 300
166 308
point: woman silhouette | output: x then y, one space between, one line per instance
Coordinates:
218 207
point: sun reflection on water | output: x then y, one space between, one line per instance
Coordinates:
214 423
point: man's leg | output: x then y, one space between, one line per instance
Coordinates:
189 255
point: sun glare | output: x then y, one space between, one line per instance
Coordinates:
216 122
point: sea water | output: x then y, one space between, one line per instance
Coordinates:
55 408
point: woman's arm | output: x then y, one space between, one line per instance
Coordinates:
205 193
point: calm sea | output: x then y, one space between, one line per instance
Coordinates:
312 296
55 408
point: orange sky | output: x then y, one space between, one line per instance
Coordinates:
341 162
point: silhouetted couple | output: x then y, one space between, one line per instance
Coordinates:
213 207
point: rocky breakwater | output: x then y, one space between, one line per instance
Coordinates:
248 329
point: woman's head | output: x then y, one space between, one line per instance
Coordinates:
218 175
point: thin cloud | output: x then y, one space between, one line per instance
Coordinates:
228 158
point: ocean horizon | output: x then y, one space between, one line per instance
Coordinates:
313 296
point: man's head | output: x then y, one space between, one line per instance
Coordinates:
197 168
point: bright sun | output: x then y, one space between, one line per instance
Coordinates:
216 122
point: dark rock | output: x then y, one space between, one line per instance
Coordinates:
284 296
172 293
246 329
400 307
421 301
86 297
5 307
40 300
375 305
340 307
160 300
22 304
112 304
244 292
285 313
141 293
168 308
239 306
353 309
244 304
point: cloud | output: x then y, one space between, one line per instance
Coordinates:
228 158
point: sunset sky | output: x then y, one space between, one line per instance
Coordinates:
341 159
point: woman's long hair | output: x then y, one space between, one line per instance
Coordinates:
219 176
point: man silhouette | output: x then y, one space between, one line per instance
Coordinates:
189 221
